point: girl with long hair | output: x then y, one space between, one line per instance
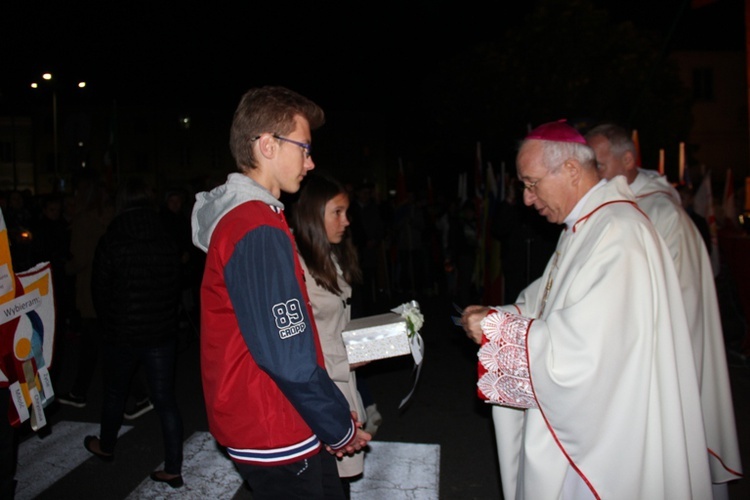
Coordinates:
329 258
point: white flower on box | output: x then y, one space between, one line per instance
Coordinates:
413 316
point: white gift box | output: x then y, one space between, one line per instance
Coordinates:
376 337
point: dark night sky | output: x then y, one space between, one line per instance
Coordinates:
348 57
212 54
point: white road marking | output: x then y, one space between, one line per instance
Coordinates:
41 462
207 472
397 471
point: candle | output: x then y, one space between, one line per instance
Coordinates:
637 143
661 162
682 163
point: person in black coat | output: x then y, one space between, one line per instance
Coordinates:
136 289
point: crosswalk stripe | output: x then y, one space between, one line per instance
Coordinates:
397 471
207 472
42 461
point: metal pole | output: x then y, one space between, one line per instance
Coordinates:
54 131
13 151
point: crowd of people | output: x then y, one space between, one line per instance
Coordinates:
605 363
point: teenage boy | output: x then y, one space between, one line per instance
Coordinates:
269 400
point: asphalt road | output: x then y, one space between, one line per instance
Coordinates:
444 410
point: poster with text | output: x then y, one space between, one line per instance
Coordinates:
27 324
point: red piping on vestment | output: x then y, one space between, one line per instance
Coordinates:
717 457
604 205
528 361
552 431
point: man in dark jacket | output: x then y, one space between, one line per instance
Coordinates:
136 290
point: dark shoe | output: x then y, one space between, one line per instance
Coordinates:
71 399
160 477
87 442
138 409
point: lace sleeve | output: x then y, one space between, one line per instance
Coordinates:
503 366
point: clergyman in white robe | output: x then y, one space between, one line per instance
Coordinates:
661 202
616 155
610 369
591 371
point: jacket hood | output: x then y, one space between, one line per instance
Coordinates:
211 206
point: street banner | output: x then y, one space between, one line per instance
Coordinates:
27 332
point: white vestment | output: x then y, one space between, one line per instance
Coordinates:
661 202
616 407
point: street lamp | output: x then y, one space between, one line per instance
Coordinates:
34 85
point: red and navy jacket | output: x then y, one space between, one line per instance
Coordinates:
268 397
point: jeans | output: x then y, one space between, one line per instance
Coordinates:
88 355
118 365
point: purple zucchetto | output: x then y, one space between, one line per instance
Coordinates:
558 131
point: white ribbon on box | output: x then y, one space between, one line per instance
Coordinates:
410 311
